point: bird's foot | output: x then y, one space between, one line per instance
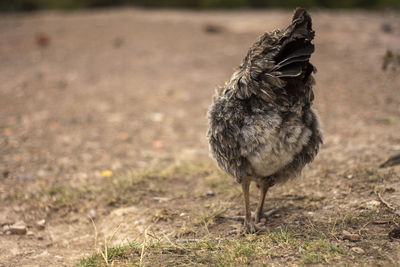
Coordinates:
256 227
249 228
257 219
253 228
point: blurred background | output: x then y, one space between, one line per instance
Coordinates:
30 5
103 114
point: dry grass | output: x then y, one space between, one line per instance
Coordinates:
202 238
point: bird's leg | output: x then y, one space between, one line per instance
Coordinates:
263 191
247 219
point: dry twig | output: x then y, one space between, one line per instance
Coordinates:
387 204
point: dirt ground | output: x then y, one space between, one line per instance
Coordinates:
89 99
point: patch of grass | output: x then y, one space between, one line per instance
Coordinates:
318 242
187 168
113 256
231 251
228 252
217 180
320 251
59 196
210 218
214 181
282 238
162 215
16 194
123 189
120 190
239 252
302 240
385 121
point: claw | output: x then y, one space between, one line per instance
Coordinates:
252 228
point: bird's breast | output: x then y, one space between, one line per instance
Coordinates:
274 153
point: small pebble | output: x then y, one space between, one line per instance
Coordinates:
30 233
118 42
20 223
6 173
210 193
161 199
47 245
6 228
44 253
351 237
92 213
211 28
41 224
157 117
386 28
42 39
358 250
18 229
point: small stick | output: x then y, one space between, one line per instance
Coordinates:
388 205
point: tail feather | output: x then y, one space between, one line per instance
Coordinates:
302 54
291 71
296 47
278 60
304 51
288 61
300 12
302 21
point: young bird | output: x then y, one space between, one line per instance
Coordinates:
261 124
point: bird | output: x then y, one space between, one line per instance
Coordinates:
261 124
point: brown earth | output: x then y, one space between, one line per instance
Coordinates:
126 90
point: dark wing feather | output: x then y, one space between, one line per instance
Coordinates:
296 47
290 71
302 54
277 59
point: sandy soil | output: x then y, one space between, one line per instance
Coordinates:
127 89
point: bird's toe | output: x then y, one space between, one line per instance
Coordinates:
252 228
